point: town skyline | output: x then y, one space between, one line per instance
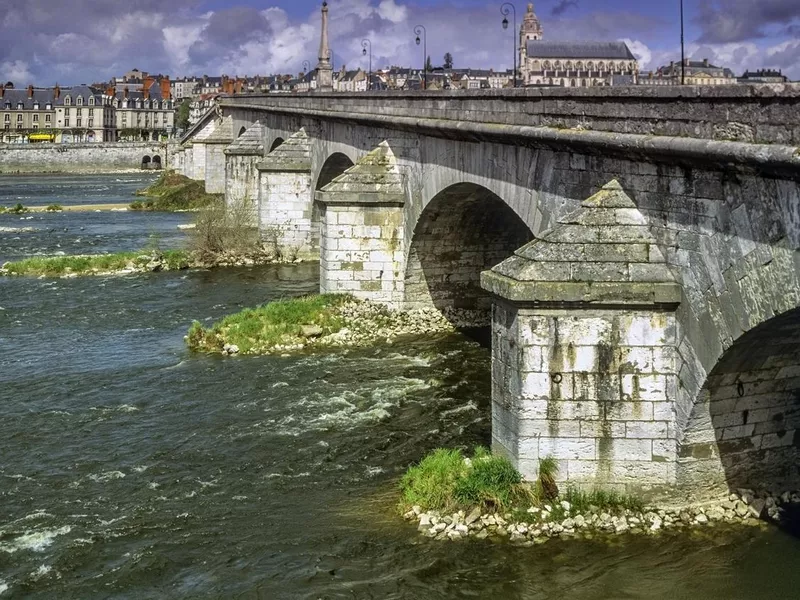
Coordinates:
193 37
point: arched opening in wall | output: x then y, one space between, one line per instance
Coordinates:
276 143
156 162
744 429
335 165
465 229
241 131
145 162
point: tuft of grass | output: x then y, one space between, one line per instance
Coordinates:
54 208
445 480
17 209
222 229
546 484
172 192
602 500
55 266
432 483
271 324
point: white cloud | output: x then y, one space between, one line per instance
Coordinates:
640 51
390 11
16 71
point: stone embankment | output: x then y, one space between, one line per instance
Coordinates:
560 520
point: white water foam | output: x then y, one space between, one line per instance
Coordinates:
3 587
35 541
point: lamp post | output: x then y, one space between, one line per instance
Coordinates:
306 66
683 59
505 9
365 43
421 31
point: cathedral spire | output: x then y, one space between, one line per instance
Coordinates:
324 68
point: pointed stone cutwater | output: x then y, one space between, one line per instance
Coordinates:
603 253
241 174
584 340
286 216
216 142
324 67
375 179
293 155
362 230
250 143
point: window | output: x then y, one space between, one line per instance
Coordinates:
20 106
79 122
36 126
79 100
47 126
7 118
35 118
91 112
91 100
35 106
19 125
48 106
66 121
19 118
8 126
47 118
67 101
91 122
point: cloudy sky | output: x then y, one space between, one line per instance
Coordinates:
81 41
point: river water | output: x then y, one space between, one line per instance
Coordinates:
130 468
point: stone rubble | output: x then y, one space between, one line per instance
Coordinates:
537 524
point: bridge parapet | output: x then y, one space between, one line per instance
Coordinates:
762 114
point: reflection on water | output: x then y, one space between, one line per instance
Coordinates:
130 468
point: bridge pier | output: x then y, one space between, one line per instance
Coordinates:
216 142
241 172
584 350
286 200
362 233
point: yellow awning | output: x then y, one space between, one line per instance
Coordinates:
42 136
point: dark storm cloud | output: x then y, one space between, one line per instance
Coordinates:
226 31
725 21
563 6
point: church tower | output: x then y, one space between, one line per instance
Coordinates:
531 30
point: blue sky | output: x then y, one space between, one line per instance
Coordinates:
81 41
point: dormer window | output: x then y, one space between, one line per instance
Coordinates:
67 101
91 100
79 101
20 106
48 106
35 106
8 105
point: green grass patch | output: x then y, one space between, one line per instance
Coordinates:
584 502
54 208
56 266
171 192
275 323
444 480
17 209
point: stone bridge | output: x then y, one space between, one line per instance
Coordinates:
638 248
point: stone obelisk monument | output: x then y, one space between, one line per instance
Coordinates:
324 68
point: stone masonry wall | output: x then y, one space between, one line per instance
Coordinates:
79 158
361 252
215 168
592 389
285 208
241 179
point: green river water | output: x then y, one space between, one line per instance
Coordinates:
130 468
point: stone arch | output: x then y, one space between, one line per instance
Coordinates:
278 141
744 428
241 132
146 161
336 164
156 161
464 230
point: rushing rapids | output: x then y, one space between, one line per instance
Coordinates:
130 467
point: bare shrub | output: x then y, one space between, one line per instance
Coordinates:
225 231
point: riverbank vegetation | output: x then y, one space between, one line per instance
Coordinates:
174 192
97 264
316 320
279 323
17 209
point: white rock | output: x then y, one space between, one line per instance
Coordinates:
566 505
580 521
701 518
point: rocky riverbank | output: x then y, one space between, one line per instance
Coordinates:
560 519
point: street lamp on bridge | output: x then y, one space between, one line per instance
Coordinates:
365 43
421 31
505 9
306 66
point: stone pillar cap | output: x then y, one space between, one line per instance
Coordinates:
603 254
222 133
292 155
374 179
251 142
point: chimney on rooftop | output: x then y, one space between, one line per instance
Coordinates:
125 92
705 62
2 90
146 85
30 91
166 93
57 92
